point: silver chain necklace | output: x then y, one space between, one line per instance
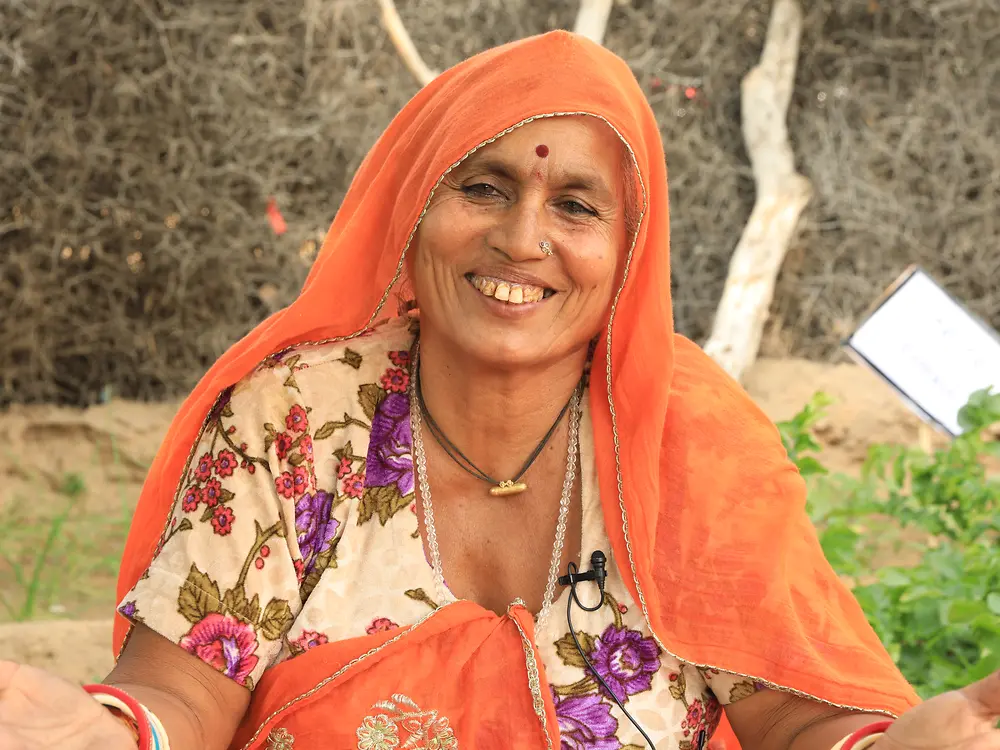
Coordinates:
420 459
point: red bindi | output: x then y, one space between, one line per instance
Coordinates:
542 150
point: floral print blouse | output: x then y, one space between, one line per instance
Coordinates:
286 534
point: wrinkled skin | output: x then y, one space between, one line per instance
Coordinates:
39 710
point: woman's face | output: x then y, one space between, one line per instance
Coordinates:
481 278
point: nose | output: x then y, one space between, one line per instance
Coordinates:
522 229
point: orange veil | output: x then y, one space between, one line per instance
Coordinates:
698 494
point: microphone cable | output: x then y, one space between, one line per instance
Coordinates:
598 573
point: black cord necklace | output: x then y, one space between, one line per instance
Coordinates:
500 488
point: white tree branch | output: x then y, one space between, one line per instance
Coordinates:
404 44
592 19
782 194
591 22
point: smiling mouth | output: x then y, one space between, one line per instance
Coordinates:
505 291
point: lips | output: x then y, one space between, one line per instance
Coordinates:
509 292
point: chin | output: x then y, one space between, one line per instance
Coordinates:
503 350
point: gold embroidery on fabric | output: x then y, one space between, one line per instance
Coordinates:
323 683
280 739
401 717
534 682
378 733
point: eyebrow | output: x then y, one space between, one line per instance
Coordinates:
586 181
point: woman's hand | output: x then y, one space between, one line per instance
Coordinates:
39 711
963 719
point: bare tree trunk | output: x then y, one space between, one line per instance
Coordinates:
404 44
591 22
592 19
782 194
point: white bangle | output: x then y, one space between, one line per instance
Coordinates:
159 734
863 744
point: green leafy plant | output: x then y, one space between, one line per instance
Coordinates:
29 577
948 492
57 555
797 435
939 613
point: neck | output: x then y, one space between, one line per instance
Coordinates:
496 416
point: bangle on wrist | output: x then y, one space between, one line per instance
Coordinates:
146 726
127 721
863 738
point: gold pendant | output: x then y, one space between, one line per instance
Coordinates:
509 487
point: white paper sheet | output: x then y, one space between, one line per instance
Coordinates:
930 348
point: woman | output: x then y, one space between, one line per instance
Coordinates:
360 544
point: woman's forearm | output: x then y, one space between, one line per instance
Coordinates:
198 706
824 734
179 719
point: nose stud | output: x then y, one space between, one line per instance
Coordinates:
546 247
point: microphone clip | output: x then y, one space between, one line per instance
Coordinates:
575 577
598 572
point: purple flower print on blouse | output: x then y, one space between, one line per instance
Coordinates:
390 452
315 526
222 402
586 723
128 610
626 661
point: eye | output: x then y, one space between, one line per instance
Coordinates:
578 209
482 190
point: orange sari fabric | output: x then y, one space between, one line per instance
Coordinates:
698 493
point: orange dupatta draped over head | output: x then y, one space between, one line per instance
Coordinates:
698 494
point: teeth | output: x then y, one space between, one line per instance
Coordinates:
513 294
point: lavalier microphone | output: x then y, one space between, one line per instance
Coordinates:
598 572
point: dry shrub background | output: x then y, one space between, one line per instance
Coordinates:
140 141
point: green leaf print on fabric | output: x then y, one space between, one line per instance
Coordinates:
276 620
742 689
385 501
352 359
370 395
325 560
234 601
199 597
566 649
678 687
325 431
419 595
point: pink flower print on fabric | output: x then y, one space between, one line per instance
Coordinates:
380 625
310 639
224 643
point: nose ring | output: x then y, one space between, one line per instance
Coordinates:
546 247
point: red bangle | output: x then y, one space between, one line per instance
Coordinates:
142 722
876 728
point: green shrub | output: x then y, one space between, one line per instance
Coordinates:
938 614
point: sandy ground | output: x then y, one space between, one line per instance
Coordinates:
109 448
